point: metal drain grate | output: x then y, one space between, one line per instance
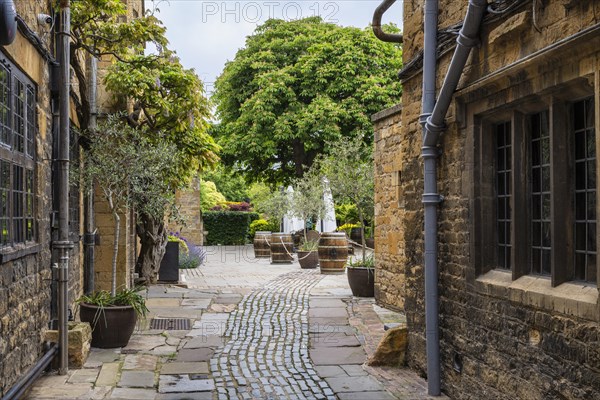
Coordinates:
170 324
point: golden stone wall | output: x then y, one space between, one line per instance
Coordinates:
127 253
520 62
188 202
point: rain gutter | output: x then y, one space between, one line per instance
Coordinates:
433 126
63 244
376 24
19 389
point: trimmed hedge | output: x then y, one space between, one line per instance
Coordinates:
227 227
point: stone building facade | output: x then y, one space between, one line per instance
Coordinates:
518 272
26 191
28 218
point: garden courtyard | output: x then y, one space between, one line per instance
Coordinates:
241 327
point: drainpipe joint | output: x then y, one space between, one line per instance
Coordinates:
423 119
432 198
432 132
467 41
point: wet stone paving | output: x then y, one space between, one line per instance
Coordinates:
267 354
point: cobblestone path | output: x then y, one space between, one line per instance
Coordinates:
266 356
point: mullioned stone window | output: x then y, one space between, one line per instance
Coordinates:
18 129
544 192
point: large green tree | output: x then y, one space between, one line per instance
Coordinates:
164 100
298 86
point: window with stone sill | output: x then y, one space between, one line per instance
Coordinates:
538 185
18 127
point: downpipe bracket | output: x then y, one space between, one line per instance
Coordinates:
432 198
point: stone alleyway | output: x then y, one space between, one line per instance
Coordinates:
257 331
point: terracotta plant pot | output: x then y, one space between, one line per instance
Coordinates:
111 326
361 281
308 259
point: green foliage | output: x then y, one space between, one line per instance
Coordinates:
183 247
351 176
129 171
102 28
262 225
309 245
367 262
346 213
169 104
277 205
226 227
347 228
307 200
259 193
209 195
124 297
228 182
170 101
298 86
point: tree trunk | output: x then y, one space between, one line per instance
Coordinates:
153 239
117 221
362 235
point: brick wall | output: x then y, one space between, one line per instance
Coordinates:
516 339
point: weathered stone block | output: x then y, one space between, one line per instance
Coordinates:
80 338
391 349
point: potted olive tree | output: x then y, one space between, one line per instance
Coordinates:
122 164
308 203
351 176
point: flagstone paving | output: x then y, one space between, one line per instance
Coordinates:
258 331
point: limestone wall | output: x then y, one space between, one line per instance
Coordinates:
389 209
529 342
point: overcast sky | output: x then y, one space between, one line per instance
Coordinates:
206 34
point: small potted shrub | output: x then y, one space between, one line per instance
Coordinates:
308 255
112 317
361 276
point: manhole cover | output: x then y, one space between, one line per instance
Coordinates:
170 324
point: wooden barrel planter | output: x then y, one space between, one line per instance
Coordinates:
333 252
282 246
262 244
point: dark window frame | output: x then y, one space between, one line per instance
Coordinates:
487 244
18 132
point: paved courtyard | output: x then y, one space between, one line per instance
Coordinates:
256 331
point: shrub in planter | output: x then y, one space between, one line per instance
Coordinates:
361 276
112 316
308 255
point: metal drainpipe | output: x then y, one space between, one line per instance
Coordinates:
376 25
63 244
18 390
433 127
90 236
430 200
